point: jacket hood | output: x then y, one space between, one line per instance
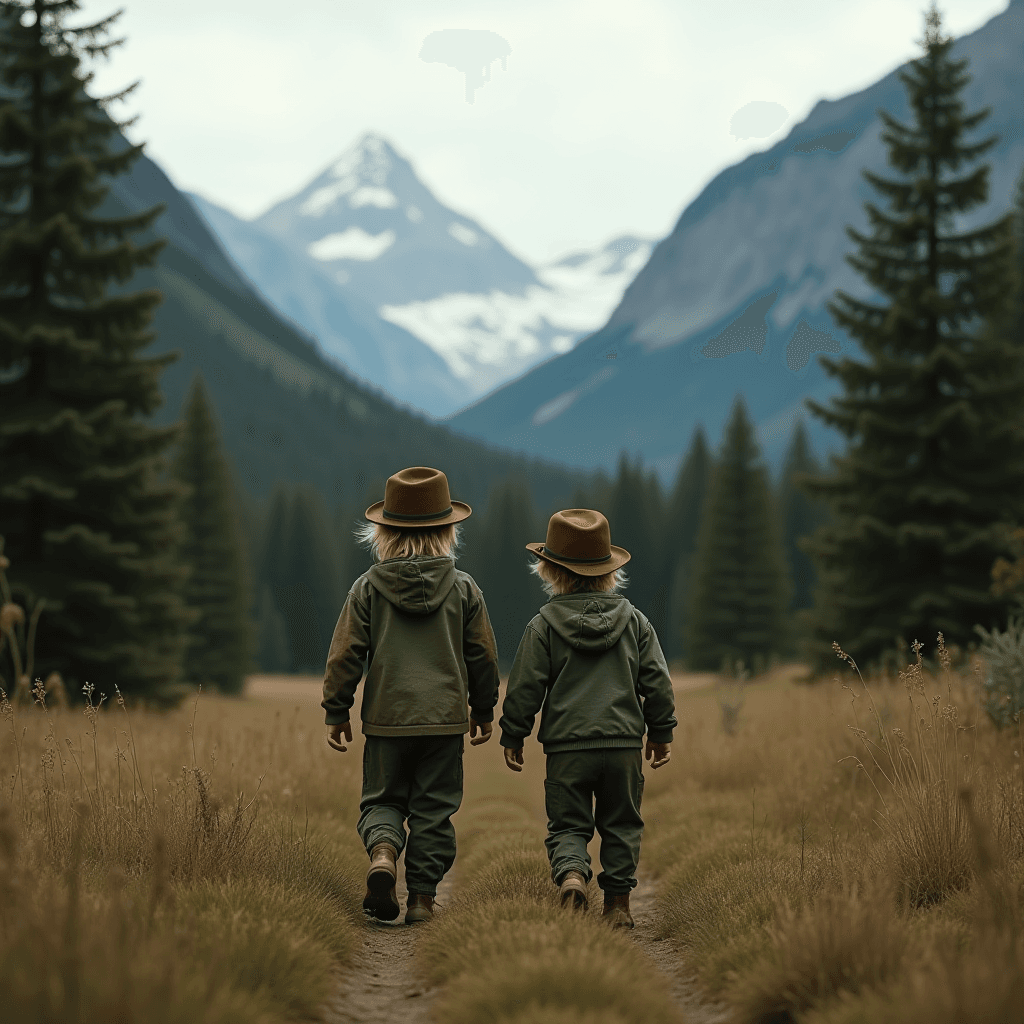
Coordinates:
416 586
589 622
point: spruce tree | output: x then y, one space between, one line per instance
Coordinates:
302 567
800 515
740 589
935 450
635 514
88 520
221 640
679 538
512 593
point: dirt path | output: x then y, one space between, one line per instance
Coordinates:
667 958
382 986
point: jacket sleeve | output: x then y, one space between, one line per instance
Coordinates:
527 688
655 687
349 646
481 656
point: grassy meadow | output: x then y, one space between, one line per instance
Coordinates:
829 853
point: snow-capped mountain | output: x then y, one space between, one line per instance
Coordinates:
368 236
734 299
347 327
490 337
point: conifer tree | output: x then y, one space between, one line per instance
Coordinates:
740 589
88 520
301 565
679 538
935 456
635 514
800 515
221 640
512 593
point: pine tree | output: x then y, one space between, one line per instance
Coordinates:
221 640
740 590
679 538
800 515
303 568
512 593
88 520
635 513
935 457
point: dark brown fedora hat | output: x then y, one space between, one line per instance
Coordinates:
417 497
580 540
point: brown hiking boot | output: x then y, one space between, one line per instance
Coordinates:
381 899
573 891
421 908
616 910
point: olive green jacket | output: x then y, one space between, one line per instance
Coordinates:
593 662
421 626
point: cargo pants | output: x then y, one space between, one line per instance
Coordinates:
419 779
601 788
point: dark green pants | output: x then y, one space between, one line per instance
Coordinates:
588 788
418 778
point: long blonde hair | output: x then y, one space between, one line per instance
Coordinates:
556 579
387 542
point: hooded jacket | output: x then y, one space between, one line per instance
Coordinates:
593 662
421 626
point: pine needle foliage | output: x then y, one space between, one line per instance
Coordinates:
931 414
740 586
86 515
800 515
679 538
221 640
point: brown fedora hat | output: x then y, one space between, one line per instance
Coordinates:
580 540
417 497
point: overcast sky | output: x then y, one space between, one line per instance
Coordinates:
610 117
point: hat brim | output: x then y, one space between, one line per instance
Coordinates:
460 510
620 556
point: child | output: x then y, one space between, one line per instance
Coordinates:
593 662
422 627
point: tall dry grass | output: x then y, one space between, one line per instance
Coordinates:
838 852
504 950
193 865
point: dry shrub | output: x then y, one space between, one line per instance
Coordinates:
927 836
837 943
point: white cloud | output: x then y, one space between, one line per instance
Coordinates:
351 244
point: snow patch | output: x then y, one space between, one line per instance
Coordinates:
467 236
373 195
414 213
320 200
351 244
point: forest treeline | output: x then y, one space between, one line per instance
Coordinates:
147 569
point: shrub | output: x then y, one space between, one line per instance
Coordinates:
1003 679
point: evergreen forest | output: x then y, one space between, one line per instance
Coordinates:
150 560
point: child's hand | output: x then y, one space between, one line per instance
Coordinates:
334 735
662 753
485 732
514 758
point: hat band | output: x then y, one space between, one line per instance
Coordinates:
580 561
419 518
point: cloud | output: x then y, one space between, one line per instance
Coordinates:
757 120
471 51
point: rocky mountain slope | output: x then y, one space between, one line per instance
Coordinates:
733 301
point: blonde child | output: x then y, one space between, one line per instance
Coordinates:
593 663
421 627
